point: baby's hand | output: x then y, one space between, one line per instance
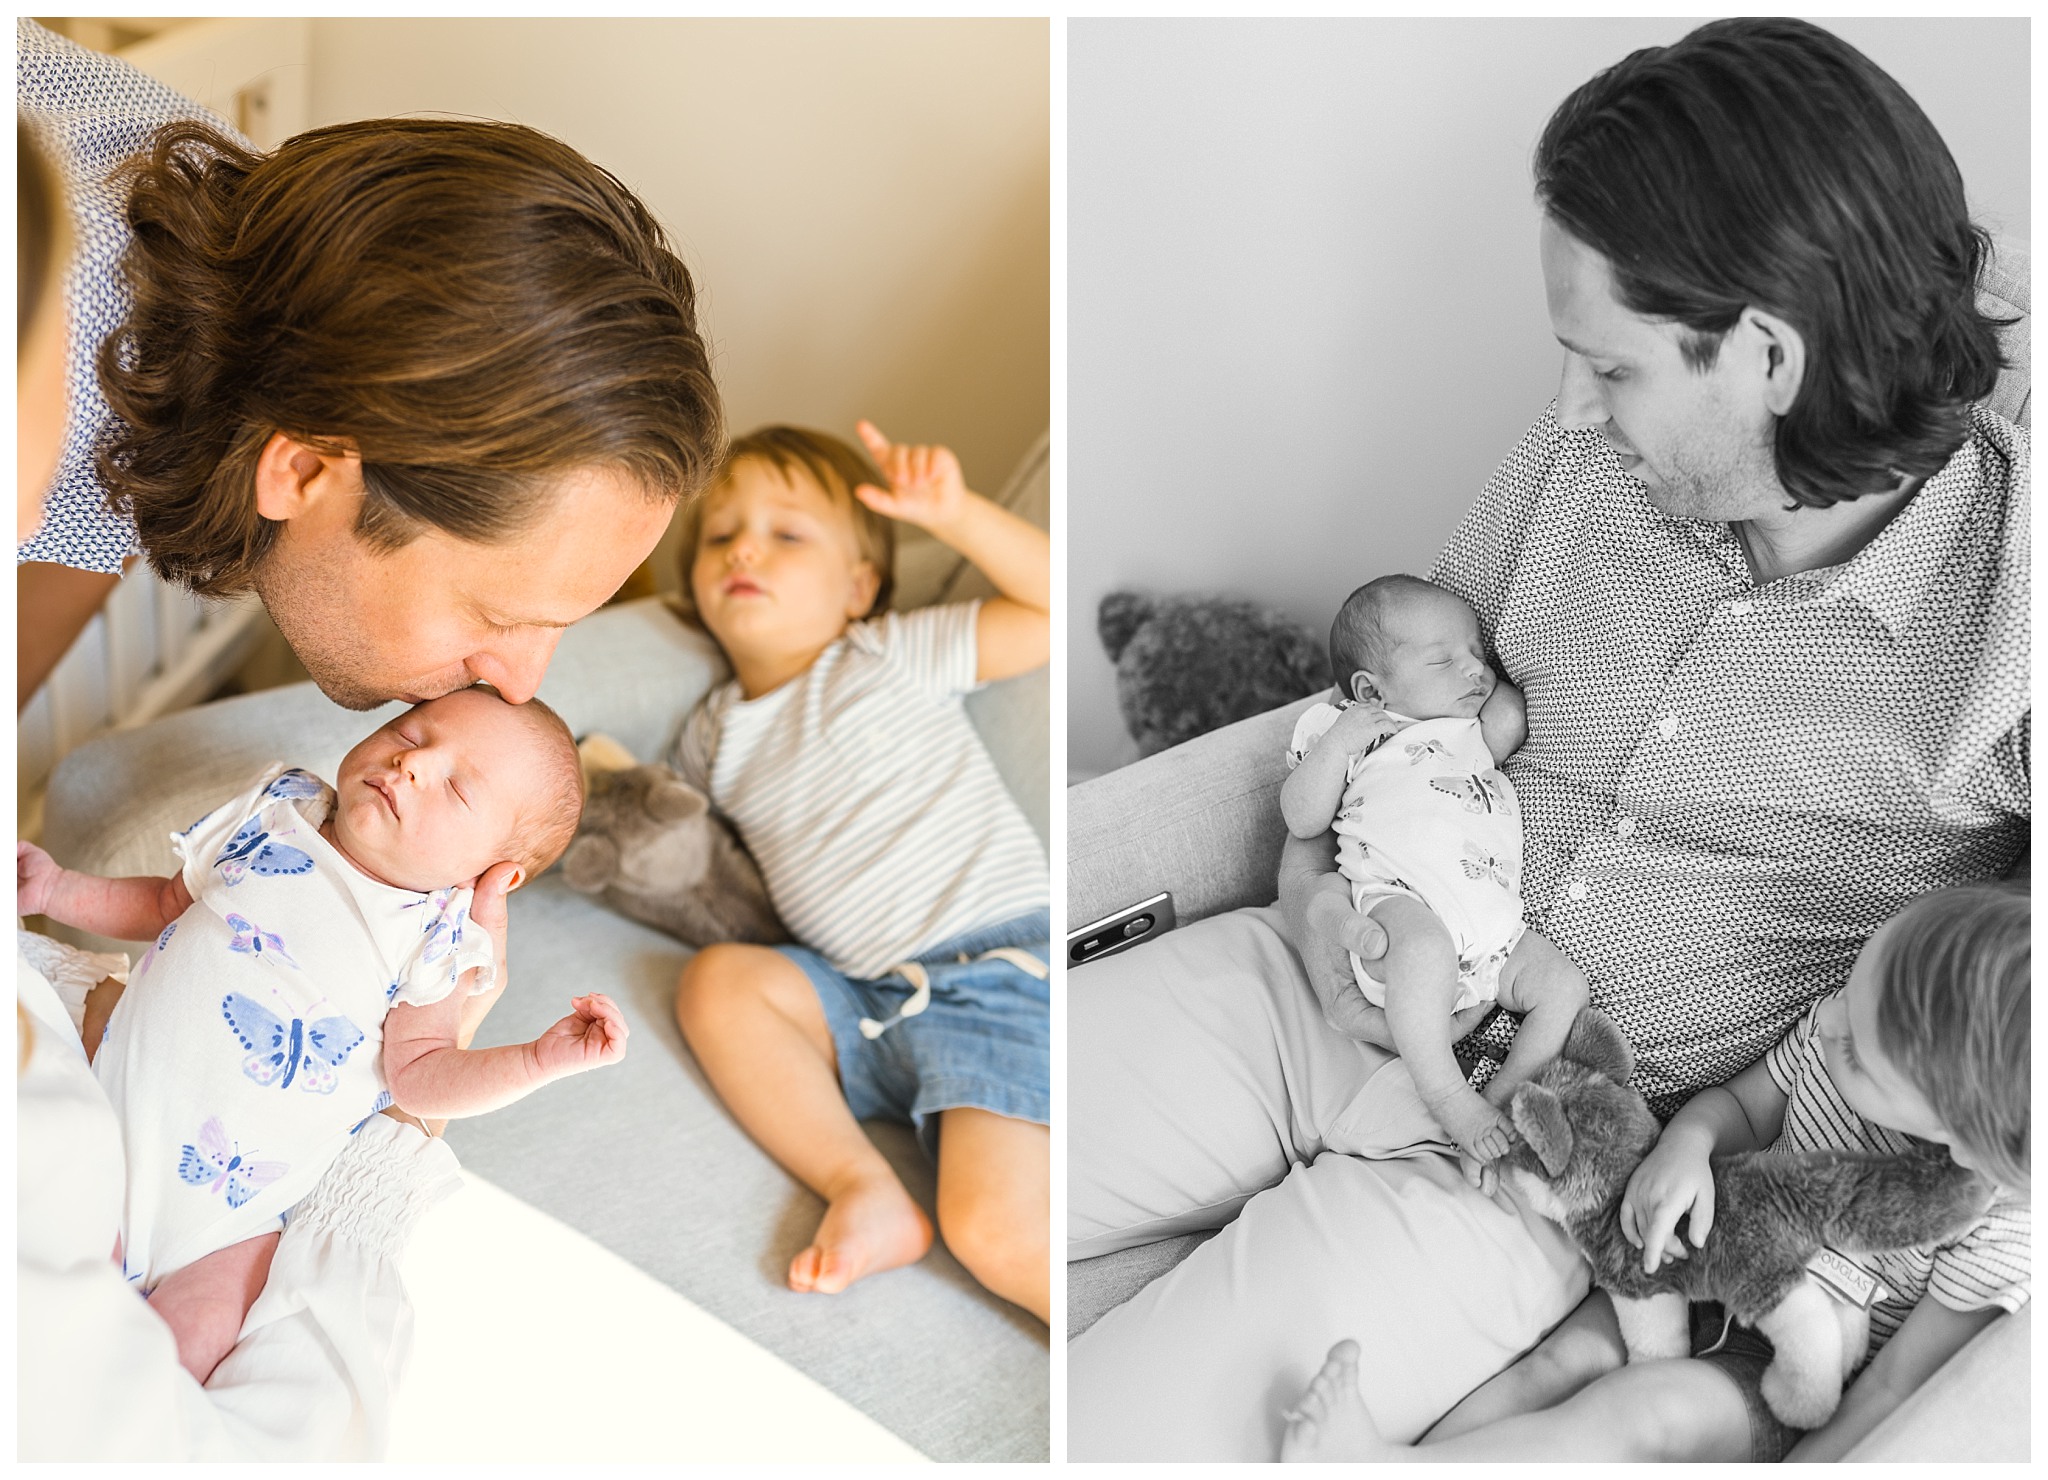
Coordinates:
1673 1180
35 875
1480 1130
925 485
589 1038
1358 725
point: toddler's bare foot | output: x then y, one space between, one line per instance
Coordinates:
872 1226
1331 1422
1478 1128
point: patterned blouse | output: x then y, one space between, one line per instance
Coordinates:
1728 787
1990 1265
89 113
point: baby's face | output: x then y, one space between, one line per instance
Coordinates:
778 569
1435 666
435 797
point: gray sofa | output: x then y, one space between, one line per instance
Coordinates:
642 1157
1202 821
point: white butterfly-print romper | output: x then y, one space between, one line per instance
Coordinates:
248 1046
1427 814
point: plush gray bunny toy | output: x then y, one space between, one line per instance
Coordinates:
1580 1133
650 848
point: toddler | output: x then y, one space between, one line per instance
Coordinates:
312 960
1928 1042
1430 837
842 753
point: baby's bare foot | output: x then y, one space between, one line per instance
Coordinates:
1477 1127
872 1226
1331 1421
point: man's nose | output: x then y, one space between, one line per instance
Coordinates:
1579 402
515 664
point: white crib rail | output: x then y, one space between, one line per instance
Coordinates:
154 648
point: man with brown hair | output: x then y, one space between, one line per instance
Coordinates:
1761 571
429 388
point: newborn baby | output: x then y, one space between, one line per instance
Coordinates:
311 963
1430 838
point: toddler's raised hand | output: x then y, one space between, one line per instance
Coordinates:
1673 1180
35 873
593 1035
925 484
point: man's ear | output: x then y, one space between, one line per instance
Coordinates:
292 477
1365 688
1784 351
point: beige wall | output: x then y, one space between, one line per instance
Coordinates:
1305 319
864 204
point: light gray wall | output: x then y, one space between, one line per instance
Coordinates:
864 204
1305 320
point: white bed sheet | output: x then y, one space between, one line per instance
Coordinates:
534 1343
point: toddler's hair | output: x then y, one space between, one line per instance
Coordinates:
547 822
835 466
1355 635
1955 984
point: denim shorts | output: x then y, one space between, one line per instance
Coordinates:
985 1039
1743 1357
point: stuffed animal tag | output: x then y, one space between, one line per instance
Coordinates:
1847 1282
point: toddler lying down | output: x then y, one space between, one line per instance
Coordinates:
312 960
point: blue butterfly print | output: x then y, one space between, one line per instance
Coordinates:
309 1053
1480 864
149 956
295 785
217 1160
377 1107
251 851
254 942
444 936
1485 792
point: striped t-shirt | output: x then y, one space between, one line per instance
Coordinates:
860 787
1989 1265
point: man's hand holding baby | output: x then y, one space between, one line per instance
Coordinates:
1318 911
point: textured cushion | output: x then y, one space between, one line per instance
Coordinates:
1201 820
1975 1409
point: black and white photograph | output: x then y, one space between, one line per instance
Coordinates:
1548 718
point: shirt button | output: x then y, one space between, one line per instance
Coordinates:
1668 726
1626 826
1740 608
1576 889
